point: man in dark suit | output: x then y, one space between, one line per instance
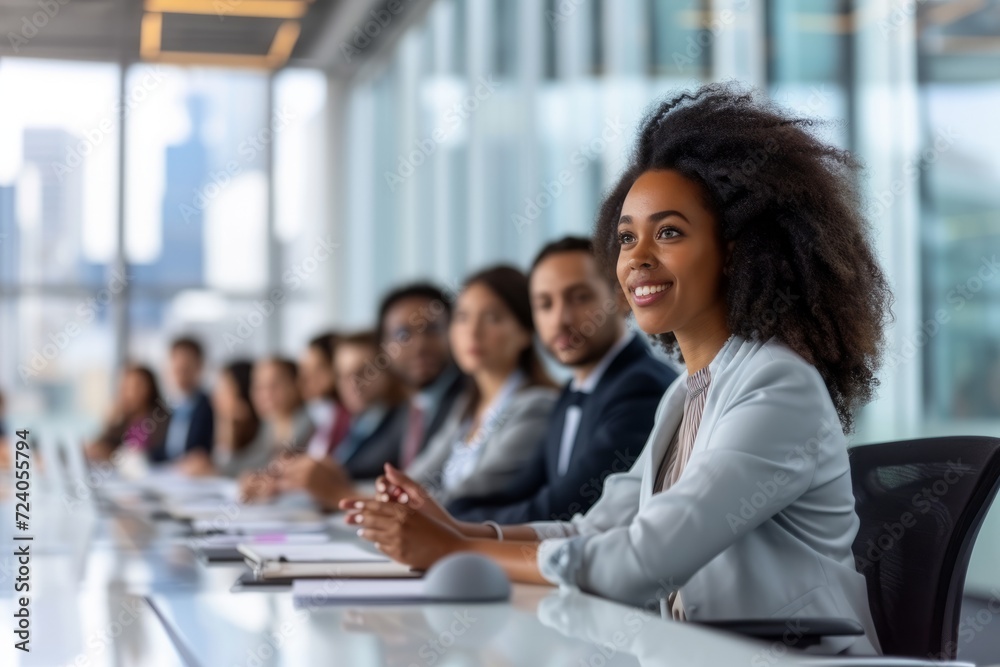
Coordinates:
413 331
191 429
604 414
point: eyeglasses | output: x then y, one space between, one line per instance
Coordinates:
403 335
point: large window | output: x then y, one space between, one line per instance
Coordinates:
959 168
496 125
537 103
58 186
200 247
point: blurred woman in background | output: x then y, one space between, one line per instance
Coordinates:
236 421
138 418
376 400
492 431
285 427
319 390
4 445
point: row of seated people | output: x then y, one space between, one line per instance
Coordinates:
739 241
451 390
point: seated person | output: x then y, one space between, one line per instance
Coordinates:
285 428
5 451
376 400
190 431
319 390
706 254
413 331
413 328
604 414
138 419
494 429
236 421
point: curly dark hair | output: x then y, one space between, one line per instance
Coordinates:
802 268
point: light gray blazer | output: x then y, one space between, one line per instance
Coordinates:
505 451
259 451
759 525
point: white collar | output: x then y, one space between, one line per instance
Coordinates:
588 385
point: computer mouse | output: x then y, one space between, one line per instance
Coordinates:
466 577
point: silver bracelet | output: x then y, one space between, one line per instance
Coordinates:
495 527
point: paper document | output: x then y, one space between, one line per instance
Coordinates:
241 526
331 552
263 538
310 592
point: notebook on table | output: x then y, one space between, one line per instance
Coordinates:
256 526
223 548
331 560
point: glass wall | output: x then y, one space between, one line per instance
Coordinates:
496 125
199 247
537 102
959 175
256 209
490 127
59 286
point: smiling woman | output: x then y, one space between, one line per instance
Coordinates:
723 168
670 263
728 208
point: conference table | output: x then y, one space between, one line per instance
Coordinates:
122 586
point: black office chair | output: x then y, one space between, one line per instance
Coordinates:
921 505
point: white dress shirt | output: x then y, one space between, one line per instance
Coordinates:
575 412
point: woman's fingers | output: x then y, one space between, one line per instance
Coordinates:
350 503
375 506
408 489
370 511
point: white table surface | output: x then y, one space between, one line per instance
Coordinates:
121 589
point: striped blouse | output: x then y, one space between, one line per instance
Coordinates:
679 451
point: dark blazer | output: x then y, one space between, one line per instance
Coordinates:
365 459
615 423
201 430
455 389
